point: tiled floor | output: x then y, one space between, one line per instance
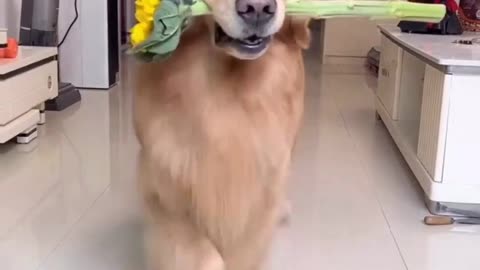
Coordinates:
68 201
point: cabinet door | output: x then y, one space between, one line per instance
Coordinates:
462 153
433 122
389 76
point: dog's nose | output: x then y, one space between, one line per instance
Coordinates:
256 12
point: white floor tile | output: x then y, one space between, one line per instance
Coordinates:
422 247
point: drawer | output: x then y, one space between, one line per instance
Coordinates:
21 92
462 147
19 125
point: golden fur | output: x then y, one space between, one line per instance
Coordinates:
216 136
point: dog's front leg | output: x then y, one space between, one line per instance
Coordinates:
174 244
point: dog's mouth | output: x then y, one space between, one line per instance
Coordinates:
250 47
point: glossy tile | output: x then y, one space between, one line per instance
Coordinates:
45 191
68 201
422 247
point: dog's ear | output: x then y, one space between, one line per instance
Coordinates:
301 31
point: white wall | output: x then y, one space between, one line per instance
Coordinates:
10 16
69 61
84 55
348 40
350 36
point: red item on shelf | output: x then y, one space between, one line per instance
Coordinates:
11 51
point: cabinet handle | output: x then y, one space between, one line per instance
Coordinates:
49 82
384 72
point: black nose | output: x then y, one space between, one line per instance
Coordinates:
256 12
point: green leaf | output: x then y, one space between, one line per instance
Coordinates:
166 46
169 21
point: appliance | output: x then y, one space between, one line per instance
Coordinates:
450 25
38 27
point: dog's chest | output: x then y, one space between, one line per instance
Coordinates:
241 151
236 133
221 145
218 152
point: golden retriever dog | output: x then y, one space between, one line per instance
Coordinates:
217 122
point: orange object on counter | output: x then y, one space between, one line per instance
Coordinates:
11 51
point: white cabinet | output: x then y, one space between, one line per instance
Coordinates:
26 82
19 93
429 102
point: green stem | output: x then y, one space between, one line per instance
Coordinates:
200 8
375 9
353 8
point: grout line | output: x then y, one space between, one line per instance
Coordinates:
68 232
42 198
72 227
375 192
29 211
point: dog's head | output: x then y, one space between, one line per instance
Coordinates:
244 28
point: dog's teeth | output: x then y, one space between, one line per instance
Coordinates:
252 42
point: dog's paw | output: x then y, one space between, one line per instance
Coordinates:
212 262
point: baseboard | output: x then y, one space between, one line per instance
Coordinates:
344 60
